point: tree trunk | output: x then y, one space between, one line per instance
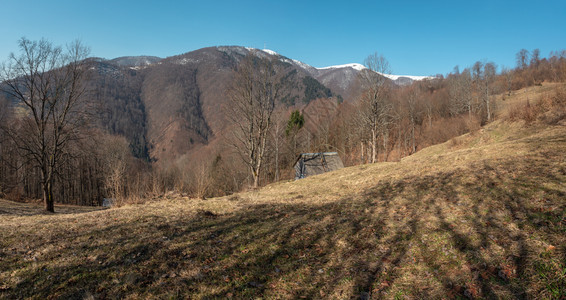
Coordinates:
48 197
276 160
373 147
399 143
487 104
385 146
413 147
362 152
295 144
256 180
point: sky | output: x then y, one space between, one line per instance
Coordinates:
416 37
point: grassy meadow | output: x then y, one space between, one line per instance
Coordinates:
480 216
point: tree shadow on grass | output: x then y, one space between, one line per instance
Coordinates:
450 234
18 209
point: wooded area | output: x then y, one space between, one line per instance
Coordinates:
57 145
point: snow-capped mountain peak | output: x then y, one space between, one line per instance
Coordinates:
354 66
350 69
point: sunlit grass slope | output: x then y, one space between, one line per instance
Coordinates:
481 216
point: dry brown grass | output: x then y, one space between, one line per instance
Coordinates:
520 97
549 108
482 217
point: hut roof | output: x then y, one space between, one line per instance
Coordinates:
308 164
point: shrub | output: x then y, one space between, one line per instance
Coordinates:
549 109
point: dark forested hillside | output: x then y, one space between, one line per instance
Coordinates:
135 61
175 118
166 107
117 93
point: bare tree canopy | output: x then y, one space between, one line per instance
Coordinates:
460 89
375 111
377 63
522 58
46 81
252 98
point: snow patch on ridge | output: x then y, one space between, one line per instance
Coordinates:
185 61
301 64
415 78
283 58
354 66
360 67
271 52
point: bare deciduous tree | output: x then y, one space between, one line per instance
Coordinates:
116 153
255 90
202 180
375 111
535 58
508 79
4 157
489 73
47 81
460 89
277 136
413 114
522 58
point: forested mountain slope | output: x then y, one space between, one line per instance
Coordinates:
167 106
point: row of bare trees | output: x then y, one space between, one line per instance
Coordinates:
471 91
389 122
50 148
46 81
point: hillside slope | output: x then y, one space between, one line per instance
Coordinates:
481 216
167 108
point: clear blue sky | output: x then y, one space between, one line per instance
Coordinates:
417 37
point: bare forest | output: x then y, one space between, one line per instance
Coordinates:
60 143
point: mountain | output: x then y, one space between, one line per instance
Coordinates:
171 107
343 77
406 79
168 107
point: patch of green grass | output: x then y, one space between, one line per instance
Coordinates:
552 276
